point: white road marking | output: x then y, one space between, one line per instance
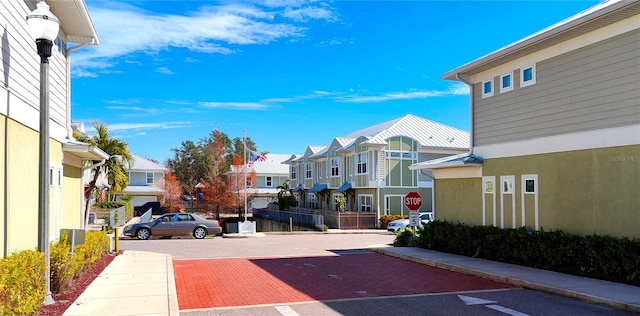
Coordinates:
474 300
507 311
286 311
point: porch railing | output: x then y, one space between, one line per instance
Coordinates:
314 217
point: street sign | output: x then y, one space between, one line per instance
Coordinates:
414 219
413 201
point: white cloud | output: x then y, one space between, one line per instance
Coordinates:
236 105
125 30
459 89
165 71
455 89
146 126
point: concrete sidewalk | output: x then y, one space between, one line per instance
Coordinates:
135 283
617 295
143 283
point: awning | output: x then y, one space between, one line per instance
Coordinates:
318 187
462 160
84 151
346 186
298 188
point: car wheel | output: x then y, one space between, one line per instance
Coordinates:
143 233
199 233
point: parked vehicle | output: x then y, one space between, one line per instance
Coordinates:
156 209
188 197
174 224
399 224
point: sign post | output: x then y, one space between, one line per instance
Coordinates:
413 201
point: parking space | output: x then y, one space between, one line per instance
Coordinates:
215 283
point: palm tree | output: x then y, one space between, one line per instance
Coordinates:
115 167
285 199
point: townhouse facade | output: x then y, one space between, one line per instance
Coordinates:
555 130
145 179
20 128
370 167
264 176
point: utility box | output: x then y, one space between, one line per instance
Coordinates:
76 236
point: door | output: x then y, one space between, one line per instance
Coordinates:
164 226
184 224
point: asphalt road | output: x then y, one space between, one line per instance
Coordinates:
334 274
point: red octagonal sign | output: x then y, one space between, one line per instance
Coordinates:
413 201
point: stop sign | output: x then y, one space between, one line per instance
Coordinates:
413 201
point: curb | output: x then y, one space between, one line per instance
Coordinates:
513 281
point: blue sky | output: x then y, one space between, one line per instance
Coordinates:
292 73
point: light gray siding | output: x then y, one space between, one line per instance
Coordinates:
21 68
591 88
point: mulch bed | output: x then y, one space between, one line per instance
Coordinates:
62 301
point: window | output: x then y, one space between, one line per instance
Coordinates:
59 177
506 83
487 88
307 170
268 181
365 202
50 176
362 159
529 186
527 76
294 172
149 177
311 198
335 169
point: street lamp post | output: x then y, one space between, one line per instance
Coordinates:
44 27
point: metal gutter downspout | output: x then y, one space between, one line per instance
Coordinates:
433 192
68 58
466 81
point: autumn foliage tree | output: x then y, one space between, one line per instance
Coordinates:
216 196
172 191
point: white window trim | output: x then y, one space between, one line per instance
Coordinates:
533 76
504 89
336 166
524 193
364 162
490 93
360 204
146 177
294 172
309 174
268 179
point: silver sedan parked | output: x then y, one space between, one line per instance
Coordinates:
174 224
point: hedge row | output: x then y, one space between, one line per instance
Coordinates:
22 283
22 275
602 257
65 266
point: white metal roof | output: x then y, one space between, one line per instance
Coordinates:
143 164
426 132
272 165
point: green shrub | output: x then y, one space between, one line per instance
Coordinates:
406 238
66 266
110 204
386 219
63 267
601 257
22 283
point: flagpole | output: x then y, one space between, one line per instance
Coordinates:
245 174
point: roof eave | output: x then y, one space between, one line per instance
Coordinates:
539 37
75 21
